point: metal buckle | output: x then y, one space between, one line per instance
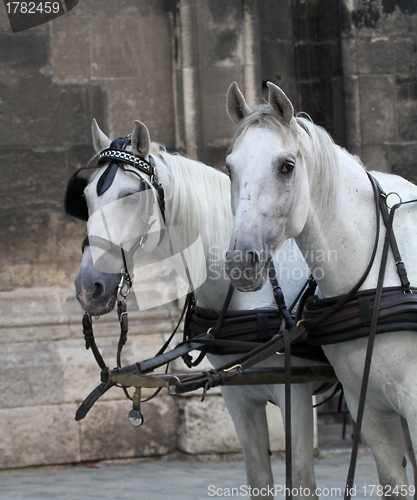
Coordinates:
174 377
123 283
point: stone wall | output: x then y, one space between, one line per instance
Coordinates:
116 65
350 64
380 81
45 373
54 80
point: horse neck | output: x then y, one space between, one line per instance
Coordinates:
337 240
198 197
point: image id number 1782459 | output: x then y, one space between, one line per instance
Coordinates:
33 7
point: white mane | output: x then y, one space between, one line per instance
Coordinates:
327 163
199 197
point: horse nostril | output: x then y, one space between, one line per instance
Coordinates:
252 256
235 274
98 289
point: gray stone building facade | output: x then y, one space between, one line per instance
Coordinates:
350 64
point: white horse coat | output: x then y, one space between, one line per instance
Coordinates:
289 180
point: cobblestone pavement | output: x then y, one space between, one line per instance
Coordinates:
178 480
192 479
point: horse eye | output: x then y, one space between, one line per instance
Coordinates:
287 167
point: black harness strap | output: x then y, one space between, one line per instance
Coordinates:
386 215
182 349
90 340
303 295
398 311
246 361
279 297
214 377
287 323
124 327
222 314
213 332
389 241
89 401
211 378
205 379
288 405
311 323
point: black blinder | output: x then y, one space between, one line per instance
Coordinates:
74 201
75 204
107 178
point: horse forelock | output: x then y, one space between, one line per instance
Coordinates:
263 116
321 154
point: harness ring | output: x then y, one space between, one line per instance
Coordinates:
393 194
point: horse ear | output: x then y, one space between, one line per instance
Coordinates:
141 140
100 139
236 105
280 102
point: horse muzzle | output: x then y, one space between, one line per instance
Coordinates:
246 270
95 291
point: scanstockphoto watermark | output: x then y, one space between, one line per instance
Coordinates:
289 264
245 491
25 15
368 490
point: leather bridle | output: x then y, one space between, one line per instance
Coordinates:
74 201
75 205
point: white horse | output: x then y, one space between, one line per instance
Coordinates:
198 196
290 180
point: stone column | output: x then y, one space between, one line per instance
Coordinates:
216 44
380 80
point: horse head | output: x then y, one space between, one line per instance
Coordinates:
266 167
121 202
